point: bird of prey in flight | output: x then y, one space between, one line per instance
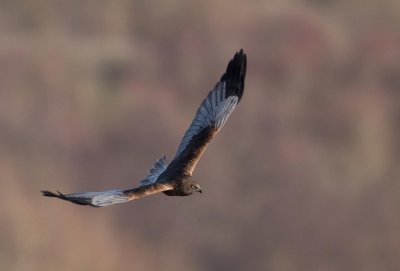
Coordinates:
175 178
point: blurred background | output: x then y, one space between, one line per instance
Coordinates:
304 176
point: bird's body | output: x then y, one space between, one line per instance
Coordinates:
174 179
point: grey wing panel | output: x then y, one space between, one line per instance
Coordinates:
110 197
95 199
106 198
219 104
213 111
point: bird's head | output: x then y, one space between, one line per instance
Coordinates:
192 186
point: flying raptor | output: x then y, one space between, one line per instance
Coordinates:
175 178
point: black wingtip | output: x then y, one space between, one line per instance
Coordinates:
235 75
49 194
60 195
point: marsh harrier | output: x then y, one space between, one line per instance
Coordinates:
174 179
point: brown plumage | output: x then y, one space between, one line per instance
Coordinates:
174 179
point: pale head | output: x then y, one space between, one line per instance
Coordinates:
190 186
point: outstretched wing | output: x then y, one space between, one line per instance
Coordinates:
211 116
209 119
110 197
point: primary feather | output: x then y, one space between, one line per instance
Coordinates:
211 116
